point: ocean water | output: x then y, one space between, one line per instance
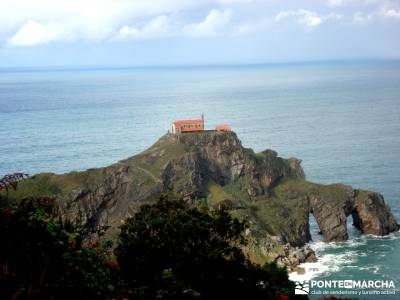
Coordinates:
341 118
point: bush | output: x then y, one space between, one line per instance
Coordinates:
172 251
167 250
42 258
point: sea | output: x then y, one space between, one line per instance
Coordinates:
342 118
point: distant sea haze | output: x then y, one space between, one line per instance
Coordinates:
341 118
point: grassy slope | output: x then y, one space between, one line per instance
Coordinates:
216 193
273 214
50 184
157 157
270 214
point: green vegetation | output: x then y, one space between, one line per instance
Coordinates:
172 251
49 184
237 189
167 250
43 258
294 189
216 193
162 152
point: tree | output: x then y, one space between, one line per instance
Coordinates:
43 258
167 250
170 250
11 180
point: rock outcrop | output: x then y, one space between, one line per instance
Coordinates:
287 254
291 256
214 168
221 158
371 215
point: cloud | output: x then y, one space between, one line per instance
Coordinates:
389 12
392 13
372 10
305 17
235 1
350 2
333 16
29 23
70 20
337 2
361 17
308 19
33 33
157 27
384 12
214 23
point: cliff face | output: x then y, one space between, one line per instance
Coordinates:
214 169
221 158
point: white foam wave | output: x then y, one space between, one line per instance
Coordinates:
328 263
321 246
390 236
331 263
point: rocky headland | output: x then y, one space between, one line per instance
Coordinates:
213 168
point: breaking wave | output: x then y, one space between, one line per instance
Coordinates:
333 257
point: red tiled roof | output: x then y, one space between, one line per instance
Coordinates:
223 126
180 122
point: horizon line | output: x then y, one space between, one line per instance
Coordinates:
183 65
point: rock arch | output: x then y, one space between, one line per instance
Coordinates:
370 213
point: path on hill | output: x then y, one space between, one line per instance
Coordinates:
150 174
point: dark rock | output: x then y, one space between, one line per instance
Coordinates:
331 210
268 191
291 257
371 215
184 176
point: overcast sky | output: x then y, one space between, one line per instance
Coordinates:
187 32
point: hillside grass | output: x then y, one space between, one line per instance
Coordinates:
288 204
50 184
216 193
293 189
158 156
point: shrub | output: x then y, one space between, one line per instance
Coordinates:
170 250
43 258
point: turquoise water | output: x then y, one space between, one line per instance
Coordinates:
342 119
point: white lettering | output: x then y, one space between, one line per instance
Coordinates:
348 284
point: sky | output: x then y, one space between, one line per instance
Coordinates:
195 32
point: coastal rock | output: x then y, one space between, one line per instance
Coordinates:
371 215
102 209
212 167
331 209
184 176
223 159
287 255
331 205
297 232
290 257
